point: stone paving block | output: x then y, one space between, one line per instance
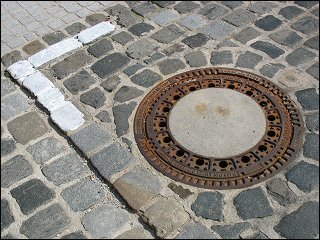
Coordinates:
51 98
94 98
166 216
121 115
45 149
306 4
170 66
54 51
33 47
105 221
195 230
65 169
13 105
122 37
240 17
95 18
70 64
313 42
186 7
7 86
248 60
54 37
82 195
177 47
115 10
311 146
140 49
269 70
164 17
290 12
268 23
14 170
252 203
306 25
300 56
315 12
192 21
196 59
126 93
90 34
133 69
218 30
138 187
196 40
31 195
135 233
231 231
110 64
154 57
127 18
268 48
37 82
104 116
163 3
209 205
258 235
79 82
7 146
301 224
6 215
100 48
141 29
262 7
286 37
280 191
112 160
312 122
74 235
314 70
182 192
146 78
20 70
90 138
308 98
246 35
75 28
168 34
220 58
46 224
111 83
305 176
232 4
144 9
213 11
11 58
27 127
9 236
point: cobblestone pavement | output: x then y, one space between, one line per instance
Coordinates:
93 182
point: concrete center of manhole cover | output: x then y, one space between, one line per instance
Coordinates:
217 122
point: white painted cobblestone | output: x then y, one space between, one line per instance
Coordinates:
51 99
96 31
54 51
20 70
37 83
67 117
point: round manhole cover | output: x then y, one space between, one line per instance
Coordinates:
218 128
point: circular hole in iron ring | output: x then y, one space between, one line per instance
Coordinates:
262 148
180 153
167 139
176 97
263 104
245 159
200 162
166 109
210 85
271 133
192 89
223 164
231 86
162 124
249 93
271 118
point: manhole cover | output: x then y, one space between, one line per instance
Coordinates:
218 128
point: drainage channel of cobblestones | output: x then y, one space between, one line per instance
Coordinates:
93 182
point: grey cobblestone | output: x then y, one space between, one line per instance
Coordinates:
270 70
240 17
6 215
312 122
196 40
170 66
74 235
218 30
196 231
232 4
313 42
220 58
7 86
127 18
308 98
280 191
315 12
140 49
306 25
314 70
164 17
186 7
95 18
247 34
311 146
75 28
178 189
286 37
154 57
231 231
146 78
167 34
209 205
13 105
7 146
115 10
134 233
94 98
103 116
213 11
122 37
306 4
100 48
121 115
268 23
192 21
163 3
111 83
79 82
10 58
133 69
177 47
144 9
33 47
268 48
262 7
196 59
141 29
248 60
290 12
126 93
54 37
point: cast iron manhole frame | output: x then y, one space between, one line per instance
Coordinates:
278 147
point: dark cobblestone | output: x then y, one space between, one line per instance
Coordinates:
177 47
116 9
258 235
74 235
196 40
11 58
195 230
144 9
300 224
7 86
14 170
163 3
100 48
232 4
262 7
178 189
300 56
7 146
306 4
209 205
126 93
308 98
94 98
314 70
186 7
133 69
305 176
220 58
315 12
268 23
252 203
218 30
54 37
231 231
140 49
95 18
313 42
213 11
79 82
240 17
6 215
31 195
141 29
33 47
286 37
248 60
146 78
170 66
306 25
104 116
75 28
121 115
290 12
154 57
268 48
196 59
280 191
122 37
247 34
311 145
269 70
167 34
127 18
110 64
111 83
46 224
312 122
